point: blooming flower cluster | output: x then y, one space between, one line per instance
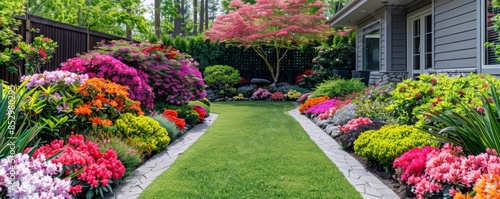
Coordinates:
413 161
173 117
261 93
106 66
293 94
310 102
201 111
353 124
100 169
34 178
304 97
277 96
446 168
322 107
104 97
54 77
173 76
333 110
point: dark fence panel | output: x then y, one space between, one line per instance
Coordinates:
251 65
70 39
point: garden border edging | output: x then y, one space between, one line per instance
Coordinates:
140 178
368 185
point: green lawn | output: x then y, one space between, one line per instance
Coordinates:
253 150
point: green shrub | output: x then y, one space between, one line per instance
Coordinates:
171 127
129 156
200 103
374 109
205 101
391 141
221 79
433 93
338 87
145 133
191 117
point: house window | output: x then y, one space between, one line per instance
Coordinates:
371 45
491 35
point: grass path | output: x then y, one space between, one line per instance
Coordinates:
253 150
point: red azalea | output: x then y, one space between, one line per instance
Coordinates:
17 49
433 81
75 189
418 96
42 53
308 72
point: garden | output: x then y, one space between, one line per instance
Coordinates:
80 130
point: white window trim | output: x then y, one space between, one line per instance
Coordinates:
364 31
482 27
409 37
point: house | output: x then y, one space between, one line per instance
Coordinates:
412 37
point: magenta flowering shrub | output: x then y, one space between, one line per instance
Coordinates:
447 169
173 76
261 93
105 66
54 77
34 178
412 163
323 107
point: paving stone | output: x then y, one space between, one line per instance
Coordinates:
369 178
355 181
368 196
372 191
360 188
377 185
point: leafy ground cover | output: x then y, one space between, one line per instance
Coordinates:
253 150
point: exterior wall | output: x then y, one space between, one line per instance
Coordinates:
455 34
396 44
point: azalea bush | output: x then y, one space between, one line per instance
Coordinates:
261 93
310 102
104 101
49 78
107 67
277 96
100 170
201 112
447 171
142 132
354 124
222 79
172 75
383 146
34 178
412 163
433 93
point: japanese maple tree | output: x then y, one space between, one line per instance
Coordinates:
281 24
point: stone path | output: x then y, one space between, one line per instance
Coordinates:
365 182
139 179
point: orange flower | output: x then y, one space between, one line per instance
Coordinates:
100 121
170 112
459 195
98 103
311 102
488 186
83 110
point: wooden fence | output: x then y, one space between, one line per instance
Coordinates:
70 39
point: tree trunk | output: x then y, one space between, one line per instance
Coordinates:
177 20
182 27
195 16
202 15
206 14
157 19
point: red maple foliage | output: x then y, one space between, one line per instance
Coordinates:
280 24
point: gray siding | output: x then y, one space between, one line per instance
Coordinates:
455 34
378 16
396 43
